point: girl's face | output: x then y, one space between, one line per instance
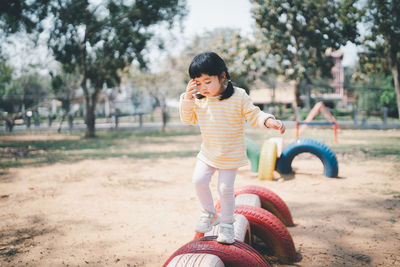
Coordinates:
210 85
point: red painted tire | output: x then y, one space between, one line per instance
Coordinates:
241 228
196 260
238 254
271 231
198 235
269 201
242 199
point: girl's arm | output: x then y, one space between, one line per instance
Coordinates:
257 118
275 124
187 106
254 116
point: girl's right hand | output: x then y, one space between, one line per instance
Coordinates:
190 89
275 124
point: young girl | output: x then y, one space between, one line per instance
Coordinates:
220 110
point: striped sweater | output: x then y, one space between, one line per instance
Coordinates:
222 126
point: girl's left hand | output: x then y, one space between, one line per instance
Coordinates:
275 124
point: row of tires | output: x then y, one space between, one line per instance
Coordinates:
259 214
271 156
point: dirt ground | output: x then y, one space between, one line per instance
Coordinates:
137 212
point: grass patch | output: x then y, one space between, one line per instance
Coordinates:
50 149
371 144
10 252
108 144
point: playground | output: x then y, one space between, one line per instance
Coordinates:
126 198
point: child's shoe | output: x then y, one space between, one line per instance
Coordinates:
207 221
226 233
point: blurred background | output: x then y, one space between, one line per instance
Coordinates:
71 70
87 64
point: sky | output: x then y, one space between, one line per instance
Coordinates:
207 15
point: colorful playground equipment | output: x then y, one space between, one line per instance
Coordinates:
259 213
318 108
315 147
267 159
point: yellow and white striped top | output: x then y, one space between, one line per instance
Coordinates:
222 126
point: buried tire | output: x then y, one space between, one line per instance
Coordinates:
238 254
267 161
271 231
196 260
269 201
241 226
306 145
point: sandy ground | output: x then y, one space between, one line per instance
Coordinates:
137 212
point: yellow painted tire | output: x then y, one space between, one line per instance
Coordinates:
267 161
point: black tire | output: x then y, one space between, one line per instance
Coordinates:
306 145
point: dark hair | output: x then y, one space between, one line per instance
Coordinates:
211 64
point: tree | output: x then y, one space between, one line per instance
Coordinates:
22 15
5 106
64 85
5 79
297 34
374 91
239 53
383 41
98 39
156 86
23 93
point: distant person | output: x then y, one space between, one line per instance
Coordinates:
220 110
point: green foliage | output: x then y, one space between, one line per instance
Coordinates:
28 89
383 17
6 73
374 61
382 44
63 85
238 52
22 15
298 33
5 81
101 39
97 39
375 92
388 96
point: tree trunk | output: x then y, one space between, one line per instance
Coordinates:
164 115
90 119
9 124
395 71
61 122
296 100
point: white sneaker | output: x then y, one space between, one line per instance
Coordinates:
207 221
226 233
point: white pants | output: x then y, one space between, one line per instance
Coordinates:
201 179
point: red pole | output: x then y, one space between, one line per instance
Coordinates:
297 130
335 131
